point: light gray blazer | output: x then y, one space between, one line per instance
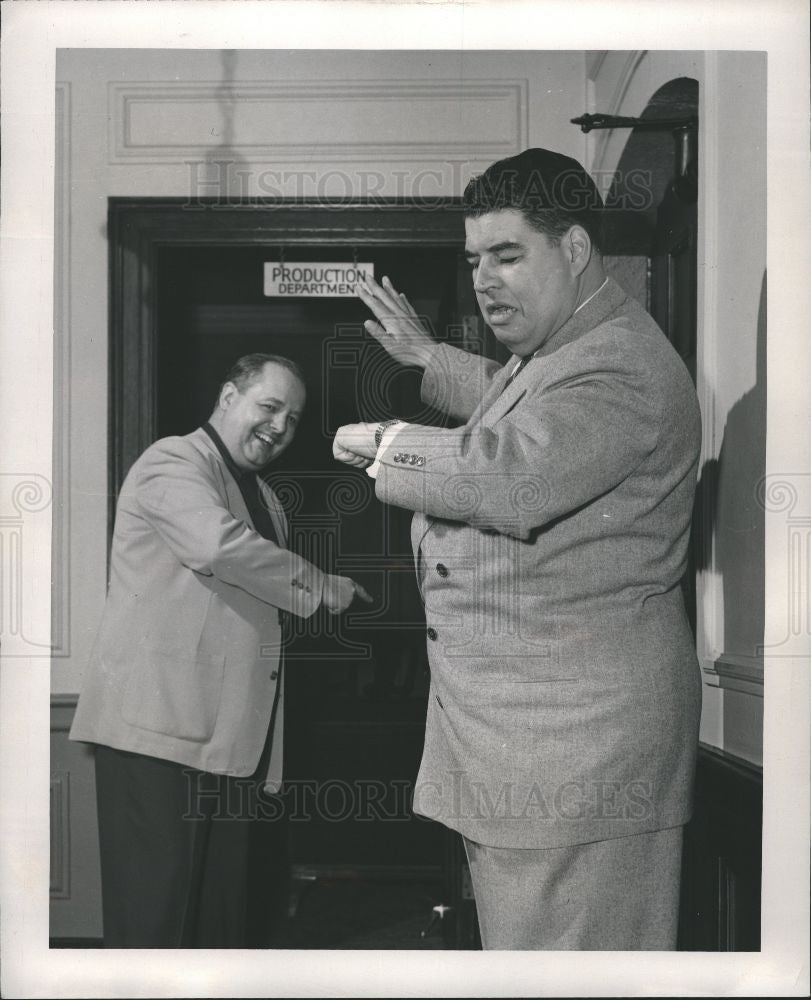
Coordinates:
186 662
550 538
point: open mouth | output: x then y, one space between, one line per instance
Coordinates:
268 440
498 313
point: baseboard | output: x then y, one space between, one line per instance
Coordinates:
71 942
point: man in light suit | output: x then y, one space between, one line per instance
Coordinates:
550 537
183 694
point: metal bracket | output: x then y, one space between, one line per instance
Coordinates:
600 121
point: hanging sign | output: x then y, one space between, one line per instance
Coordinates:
311 279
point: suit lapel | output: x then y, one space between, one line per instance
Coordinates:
511 396
494 392
498 401
275 510
609 298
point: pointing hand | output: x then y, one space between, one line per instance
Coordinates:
340 591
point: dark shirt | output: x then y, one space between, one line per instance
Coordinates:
248 487
251 494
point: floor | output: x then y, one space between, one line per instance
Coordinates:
348 912
358 913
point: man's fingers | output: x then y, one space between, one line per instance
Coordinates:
348 457
377 330
371 300
412 312
384 296
390 292
362 593
386 303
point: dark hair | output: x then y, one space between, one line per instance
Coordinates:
552 191
247 369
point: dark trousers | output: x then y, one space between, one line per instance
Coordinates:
179 849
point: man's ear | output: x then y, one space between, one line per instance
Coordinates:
227 393
577 244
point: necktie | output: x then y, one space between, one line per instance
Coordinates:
518 369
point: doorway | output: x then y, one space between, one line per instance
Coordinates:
187 301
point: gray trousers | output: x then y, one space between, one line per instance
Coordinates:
612 895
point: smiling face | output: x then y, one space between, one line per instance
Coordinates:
257 424
526 286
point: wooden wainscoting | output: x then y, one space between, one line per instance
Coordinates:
720 905
721 871
75 884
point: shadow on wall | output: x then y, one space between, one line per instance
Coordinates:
225 174
727 505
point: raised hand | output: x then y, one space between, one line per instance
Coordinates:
397 327
340 591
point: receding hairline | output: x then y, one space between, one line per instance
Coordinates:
249 368
251 380
294 371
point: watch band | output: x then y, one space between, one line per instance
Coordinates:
381 427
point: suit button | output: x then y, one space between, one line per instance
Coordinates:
432 634
274 674
442 569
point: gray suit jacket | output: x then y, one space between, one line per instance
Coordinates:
550 538
186 662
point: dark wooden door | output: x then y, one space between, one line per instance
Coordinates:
675 249
356 686
186 300
674 272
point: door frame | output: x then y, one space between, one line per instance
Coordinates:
139 227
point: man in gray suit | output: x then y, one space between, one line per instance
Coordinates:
183 694
550 537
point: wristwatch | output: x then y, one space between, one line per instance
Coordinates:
381 427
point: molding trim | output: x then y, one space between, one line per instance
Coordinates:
76 942
594 62
60 835
735 672
289 103
632 63
707 360
742 767
63 707
60 558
